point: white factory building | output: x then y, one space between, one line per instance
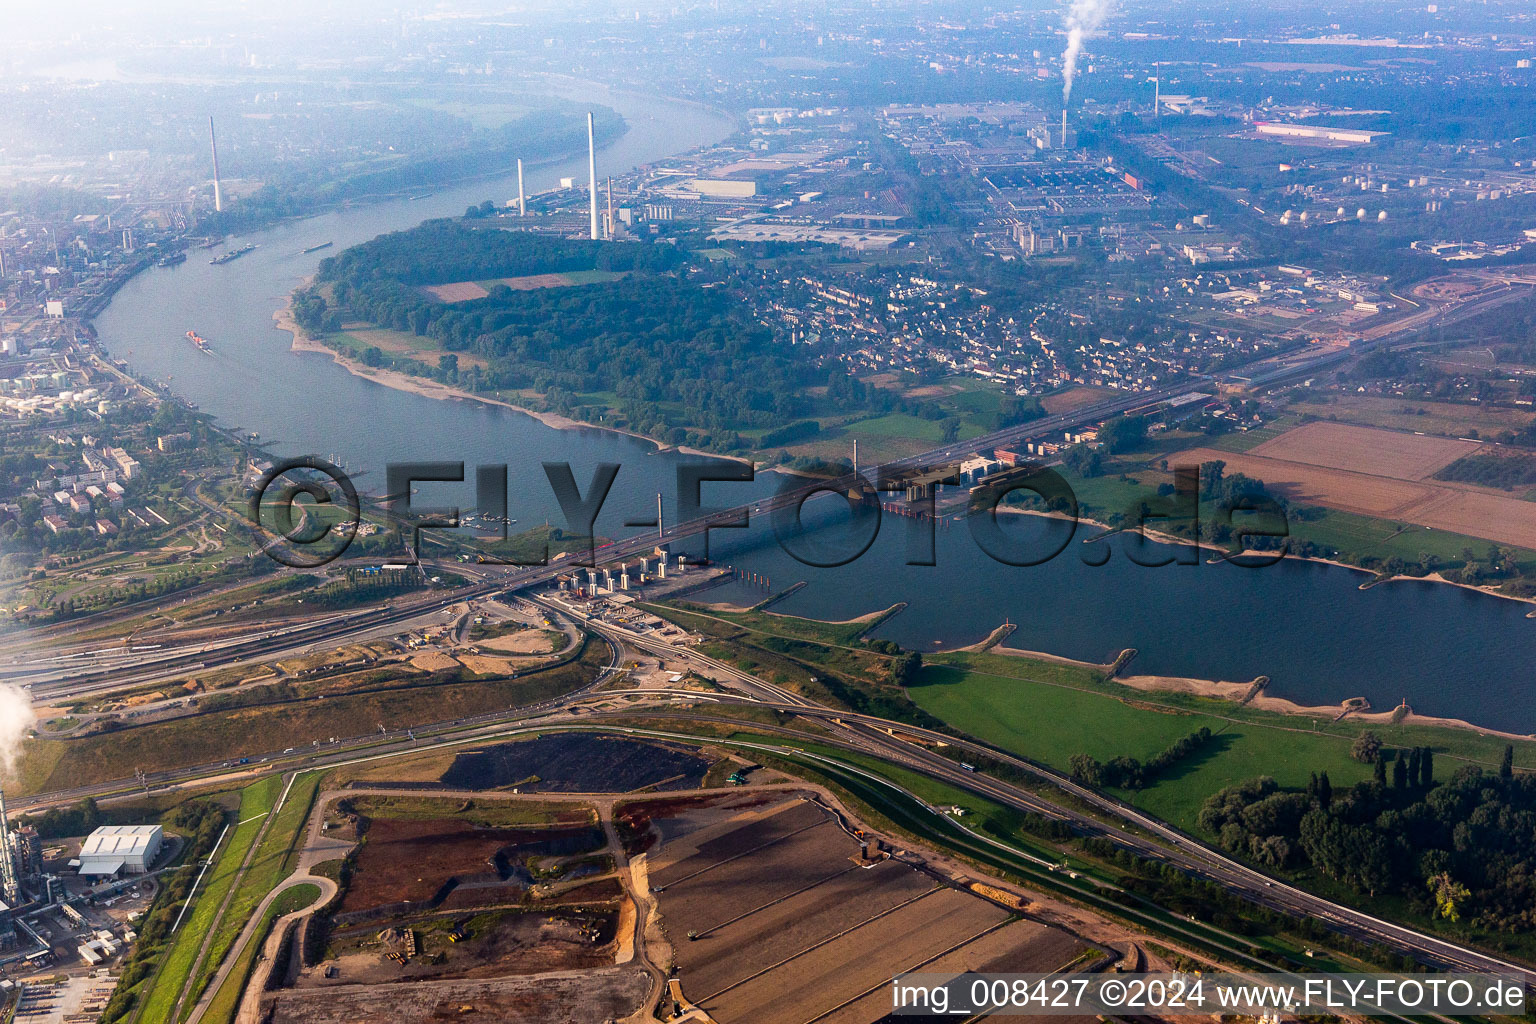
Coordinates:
114 849
1347 136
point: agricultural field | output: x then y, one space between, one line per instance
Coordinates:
775 916
1344 531
1247 440
1073 398
468 291
1382 474
1361 449
1448 419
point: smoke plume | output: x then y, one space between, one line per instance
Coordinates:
16 719
1083 20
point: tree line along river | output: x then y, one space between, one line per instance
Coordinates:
1445 650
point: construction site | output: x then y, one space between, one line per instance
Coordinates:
781 912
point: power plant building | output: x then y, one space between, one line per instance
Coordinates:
120 849
724 188
1316 133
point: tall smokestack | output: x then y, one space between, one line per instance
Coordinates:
8 880
213 144
1157 96
608 227
522 202
1063 127
592 172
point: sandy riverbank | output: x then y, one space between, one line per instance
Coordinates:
302 342
1376 579
1234 692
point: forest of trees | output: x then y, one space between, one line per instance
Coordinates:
1510 472
682 361
444 251
1465 848
1129 773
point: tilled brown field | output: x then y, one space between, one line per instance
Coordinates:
1318 485
1389 453
1385 474
848 966
459 291
772 932
791 926
688 855
1480 514
722 892
1023 947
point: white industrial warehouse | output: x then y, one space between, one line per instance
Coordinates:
114 849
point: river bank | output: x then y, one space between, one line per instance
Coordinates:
1174 540
283 320
1237 693
1321 637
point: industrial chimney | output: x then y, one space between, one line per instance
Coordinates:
522 203
213 144
8 880
592 172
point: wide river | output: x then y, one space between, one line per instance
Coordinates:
1445 650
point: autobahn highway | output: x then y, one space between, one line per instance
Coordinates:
1166 843
1402 335
1147 837
55 676
320 754
52 679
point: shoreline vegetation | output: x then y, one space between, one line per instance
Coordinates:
303 342
399 380
1221 554
1240 694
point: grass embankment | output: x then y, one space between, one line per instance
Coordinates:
53 764
489 812
256 802
1049 712
825 661
767 624
272 863
226 1002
